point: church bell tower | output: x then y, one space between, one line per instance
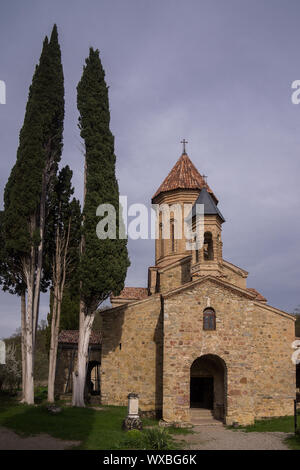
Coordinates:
185 185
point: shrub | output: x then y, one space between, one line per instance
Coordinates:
150 439
134 439
10 373
40 394
158 439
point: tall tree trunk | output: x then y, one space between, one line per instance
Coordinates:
59 279
85 327
36 299
29 276
53 350
28 347
79 376
53 355
23 350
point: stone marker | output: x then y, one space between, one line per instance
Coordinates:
132 421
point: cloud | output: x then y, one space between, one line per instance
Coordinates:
216 73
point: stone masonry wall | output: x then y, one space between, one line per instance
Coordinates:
132 354
246 339
275 376
234 278
175 276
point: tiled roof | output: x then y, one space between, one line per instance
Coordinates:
184 175
258 295
132 293
71 337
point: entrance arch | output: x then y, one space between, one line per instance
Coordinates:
93 378
208 384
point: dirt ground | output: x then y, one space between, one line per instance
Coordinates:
203 438
9 440
220 438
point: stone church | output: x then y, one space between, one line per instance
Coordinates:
197 337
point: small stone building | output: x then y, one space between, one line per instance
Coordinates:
197 336
67 362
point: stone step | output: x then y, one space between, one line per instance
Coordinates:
200 412
206 422
203 417
95 400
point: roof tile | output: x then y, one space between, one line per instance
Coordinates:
184 175
258 295
71 337
132 293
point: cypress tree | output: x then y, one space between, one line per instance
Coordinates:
30 181
103 262
62 241
11 280
10 269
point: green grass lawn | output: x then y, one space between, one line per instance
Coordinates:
283 424
94 429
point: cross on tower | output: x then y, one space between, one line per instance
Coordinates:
184 142
205 178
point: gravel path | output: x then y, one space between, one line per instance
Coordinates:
220 438
9 440
204 438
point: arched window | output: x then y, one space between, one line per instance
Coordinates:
197 250
172 236
208 248
161 240
197 256
209 319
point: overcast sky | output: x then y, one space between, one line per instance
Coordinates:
217 73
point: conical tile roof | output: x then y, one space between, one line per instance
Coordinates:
184 175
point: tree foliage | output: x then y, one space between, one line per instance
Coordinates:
296 312
103 263
39 151
27 193
64 214
62 211
11 278
41 355
11 372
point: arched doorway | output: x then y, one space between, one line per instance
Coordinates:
208 384
93 378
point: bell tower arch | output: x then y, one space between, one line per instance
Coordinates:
182 186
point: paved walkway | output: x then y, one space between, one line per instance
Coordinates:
9 440
221 438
